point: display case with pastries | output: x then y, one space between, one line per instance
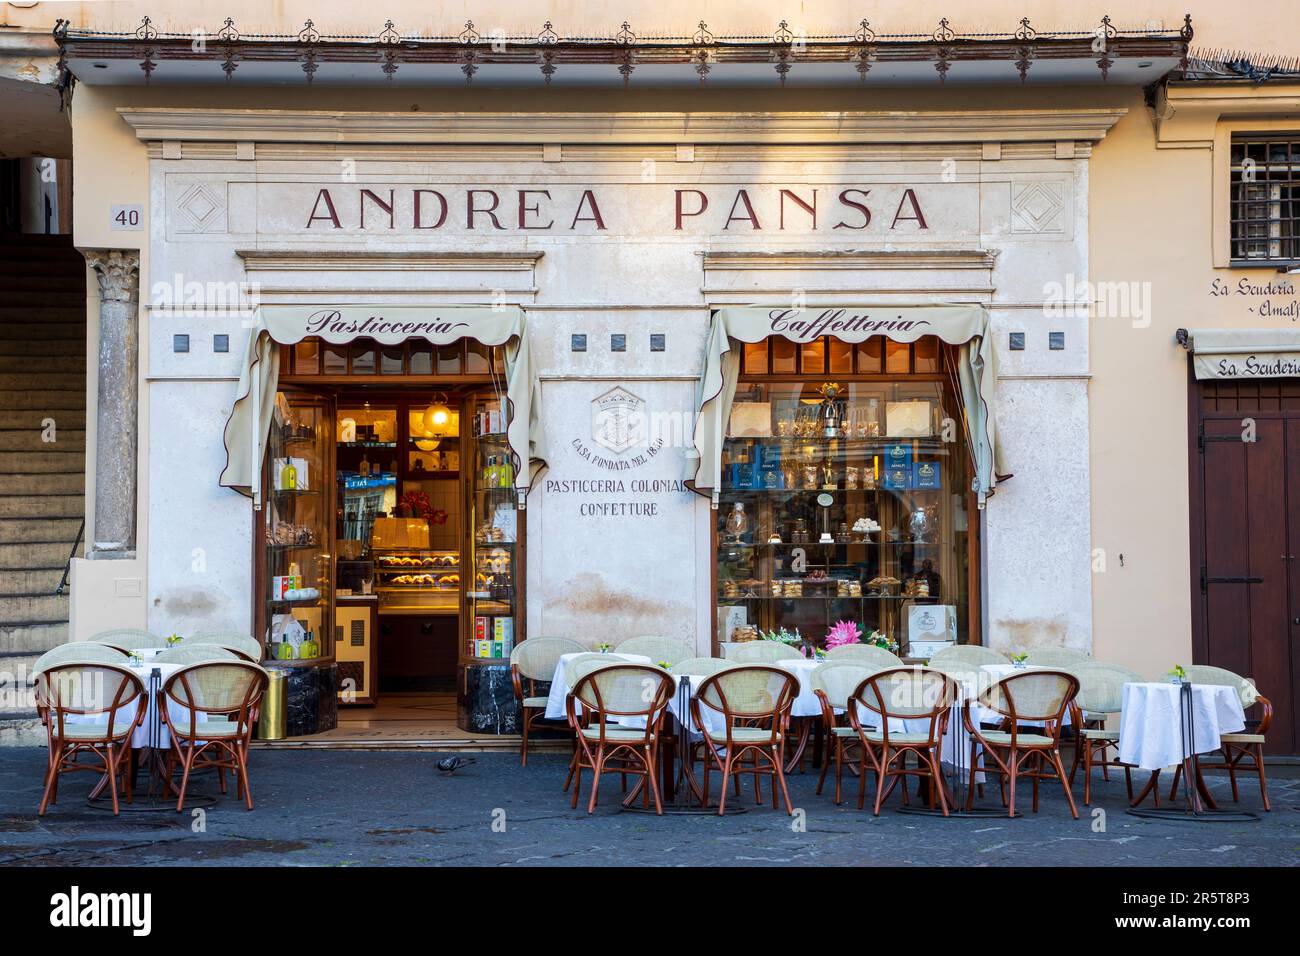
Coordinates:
417 581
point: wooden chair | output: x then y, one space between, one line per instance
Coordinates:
80 652
1062 657
964 658
1235 747
229 690
700 666
1037 696
533 660
754 702
762 652
618 691
869 654
245 647
189 653
918 695
668 650
128 639
1101 693
835 683
90 708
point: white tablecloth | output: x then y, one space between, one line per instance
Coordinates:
560 686
1151 723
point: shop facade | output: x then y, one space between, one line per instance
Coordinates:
623 242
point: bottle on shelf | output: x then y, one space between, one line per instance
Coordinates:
288 476
363 468
505 473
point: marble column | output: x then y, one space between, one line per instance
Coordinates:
117 405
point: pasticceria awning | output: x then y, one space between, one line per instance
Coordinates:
965 326
276 325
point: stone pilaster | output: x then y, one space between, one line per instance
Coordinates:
117 404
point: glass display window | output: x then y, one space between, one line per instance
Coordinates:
846 500
493 592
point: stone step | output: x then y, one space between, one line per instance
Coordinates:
34 608
33 439
52 380
42 530
51 554
32 638
74 418
17 348
47 483
52 400
56 460
35 364
39 507
32 580
70 327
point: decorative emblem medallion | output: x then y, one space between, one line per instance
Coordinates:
618 420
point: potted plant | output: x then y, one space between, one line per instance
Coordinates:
173 640
1018 659
882 640
1178 674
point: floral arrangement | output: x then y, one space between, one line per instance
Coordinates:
842 633
783 636
665 665
1020 658
173 640
603 647
417 503
881 639
1178 673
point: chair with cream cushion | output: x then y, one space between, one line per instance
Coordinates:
604 695
965 658
660 650
834 683
190 653
1235 747
700 666
91 708
1101 693
80 652
245 647
1040 697
1056 657
761 652
216 705
532 661
754 703
130 639
877 657
881 703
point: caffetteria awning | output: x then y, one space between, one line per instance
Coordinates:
966 326
1245 353
276 325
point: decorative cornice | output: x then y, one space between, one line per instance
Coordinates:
118 273
767 129
788 48
1186 114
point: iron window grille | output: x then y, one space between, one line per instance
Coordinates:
1265 198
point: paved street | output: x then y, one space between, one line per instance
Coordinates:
350 808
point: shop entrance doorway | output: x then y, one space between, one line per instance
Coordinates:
390 524
1246 539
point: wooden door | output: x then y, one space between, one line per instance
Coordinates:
1247 586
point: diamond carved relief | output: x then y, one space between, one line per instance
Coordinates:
200 209
1037 207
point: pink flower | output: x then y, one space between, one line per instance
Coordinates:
844 632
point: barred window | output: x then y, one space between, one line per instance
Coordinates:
1265 198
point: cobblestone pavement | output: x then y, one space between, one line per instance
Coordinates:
349 808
